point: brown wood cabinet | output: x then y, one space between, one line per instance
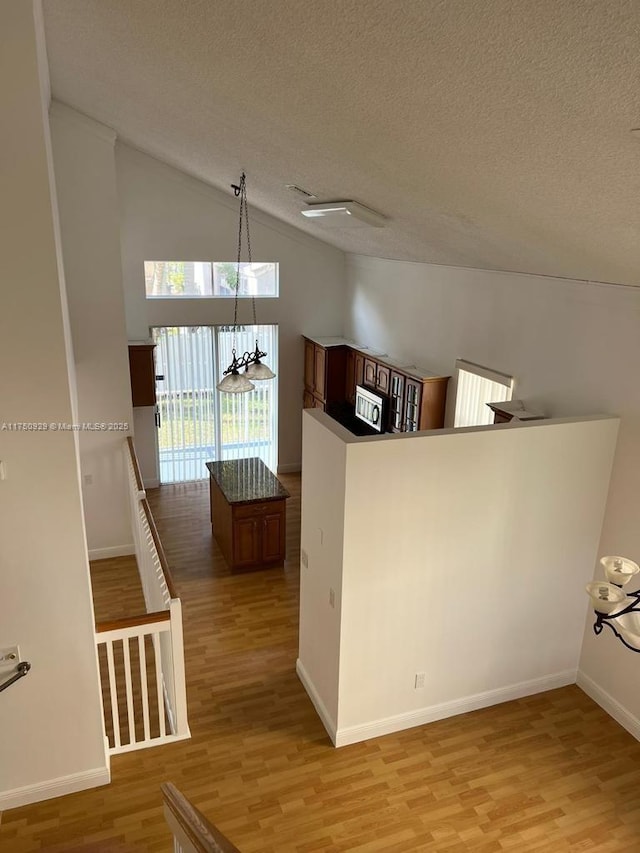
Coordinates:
370 368
377 375
513 410
383 378
424 403
143 374
417 398
350 382
325 374
248 513
355 373
396 415
309 366
258 534
319 372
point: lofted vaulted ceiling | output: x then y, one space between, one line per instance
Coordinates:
492 133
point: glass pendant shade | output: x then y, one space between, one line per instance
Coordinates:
613 607
619 570
258 371
235 383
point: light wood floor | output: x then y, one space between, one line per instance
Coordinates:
547 773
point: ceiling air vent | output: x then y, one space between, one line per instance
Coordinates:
299 191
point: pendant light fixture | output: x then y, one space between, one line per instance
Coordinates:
243 370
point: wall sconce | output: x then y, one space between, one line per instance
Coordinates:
613 607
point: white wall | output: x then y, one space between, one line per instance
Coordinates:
166 215
322 532
573 348
85 173
465 557
51 720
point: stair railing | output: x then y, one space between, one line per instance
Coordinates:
192 831
142 657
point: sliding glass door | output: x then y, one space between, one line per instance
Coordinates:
198 424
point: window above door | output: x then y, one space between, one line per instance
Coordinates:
210 280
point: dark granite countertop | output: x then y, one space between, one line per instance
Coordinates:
246 481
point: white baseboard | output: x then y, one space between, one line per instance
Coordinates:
54 788
318 704
387 725
289 468
114 551
619 713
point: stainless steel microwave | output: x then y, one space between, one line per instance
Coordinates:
371 407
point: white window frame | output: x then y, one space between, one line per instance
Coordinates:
477 413
213 296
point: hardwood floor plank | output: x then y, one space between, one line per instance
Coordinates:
550 773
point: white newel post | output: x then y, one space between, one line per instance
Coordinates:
179 679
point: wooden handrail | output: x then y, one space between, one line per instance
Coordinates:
134 462
152 525
133 621
203 836
163 559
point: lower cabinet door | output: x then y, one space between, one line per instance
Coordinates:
246 541
273 537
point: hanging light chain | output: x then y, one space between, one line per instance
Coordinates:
248 359
246 217
240 190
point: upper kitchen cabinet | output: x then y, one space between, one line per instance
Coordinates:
334 366
417 397
143 375
325 372
398 404
355 373
425 397
377 375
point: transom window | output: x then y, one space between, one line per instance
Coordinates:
218 279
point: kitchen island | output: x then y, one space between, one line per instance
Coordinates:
248 513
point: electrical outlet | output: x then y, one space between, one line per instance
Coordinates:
419 680
332 598
304 558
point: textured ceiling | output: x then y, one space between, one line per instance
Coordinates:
491 133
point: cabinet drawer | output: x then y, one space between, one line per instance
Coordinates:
258 509
249 510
